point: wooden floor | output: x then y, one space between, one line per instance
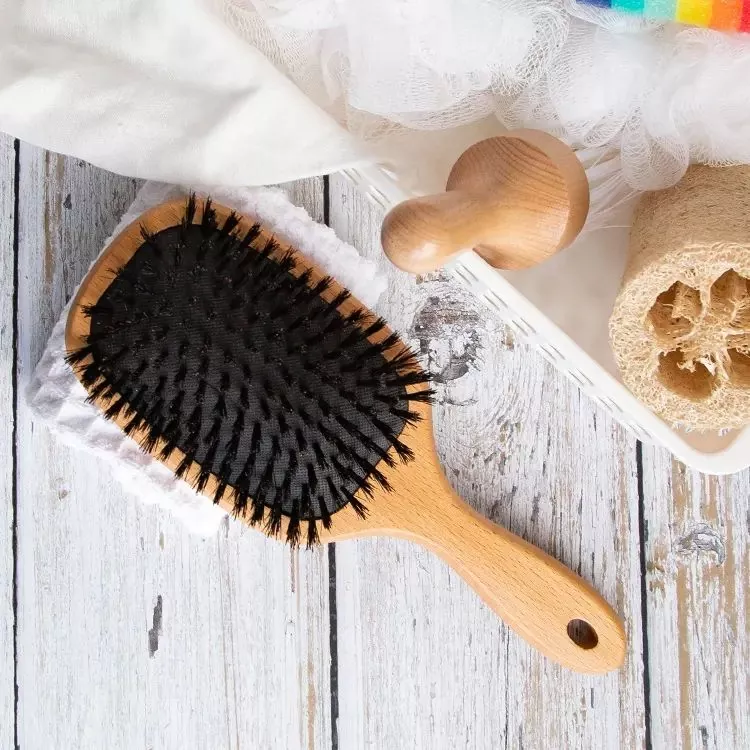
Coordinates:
119 630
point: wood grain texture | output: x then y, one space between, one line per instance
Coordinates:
132 633
7 213
422 662
698 583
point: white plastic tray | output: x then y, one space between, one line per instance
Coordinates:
561 307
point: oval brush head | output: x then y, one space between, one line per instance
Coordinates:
268 382
269 388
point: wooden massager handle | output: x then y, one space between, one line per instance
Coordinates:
516 199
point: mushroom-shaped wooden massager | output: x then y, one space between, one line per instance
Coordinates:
516 199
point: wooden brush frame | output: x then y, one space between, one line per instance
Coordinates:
543 601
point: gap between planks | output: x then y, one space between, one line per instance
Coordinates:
8 215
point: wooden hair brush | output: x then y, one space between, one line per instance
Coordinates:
270 389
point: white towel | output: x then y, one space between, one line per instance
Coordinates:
161 90
57 397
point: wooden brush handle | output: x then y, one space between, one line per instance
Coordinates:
550 606
546 603
516 199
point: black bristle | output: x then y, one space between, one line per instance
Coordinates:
148 239
220 490
240 503
359 507
184 466
137 401
134 423
335 494
265 408
114 409
265 485
313 538
233 444
366 441
230 223
301 439
426 396
339 299
312 478
220 408
149 441
293 527
173 431
212 440
181 374
362 471
320 457
325 516
348 475
213 342
204 474
282 498
95 392
303 301
308 514
208 221
273 523
405 360
258 510
407 415
242 485
168 448
405 453
189 218
77 357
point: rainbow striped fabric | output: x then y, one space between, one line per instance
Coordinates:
725 15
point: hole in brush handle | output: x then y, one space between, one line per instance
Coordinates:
582 634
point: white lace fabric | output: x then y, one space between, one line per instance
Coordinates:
662 95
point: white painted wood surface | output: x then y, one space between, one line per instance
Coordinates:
130 633
698 576
7 214
422 662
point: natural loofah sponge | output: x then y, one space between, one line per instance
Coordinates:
680 328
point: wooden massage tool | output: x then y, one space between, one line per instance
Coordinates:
266 386
515 199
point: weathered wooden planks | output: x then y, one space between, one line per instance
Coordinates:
7 409
422 662
698 578
132 633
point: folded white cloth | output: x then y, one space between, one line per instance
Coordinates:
160 90
57 397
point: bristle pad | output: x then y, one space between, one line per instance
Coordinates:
224 354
